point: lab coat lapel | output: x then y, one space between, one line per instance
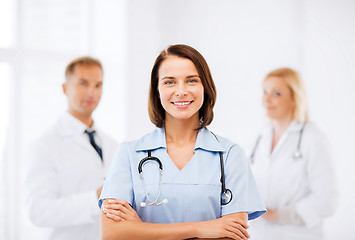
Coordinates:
105 147
266 141
80 141
65 128
294 126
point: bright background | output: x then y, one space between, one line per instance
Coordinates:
241 41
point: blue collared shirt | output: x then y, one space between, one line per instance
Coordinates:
193 193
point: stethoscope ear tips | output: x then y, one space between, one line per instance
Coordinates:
143 204
165 201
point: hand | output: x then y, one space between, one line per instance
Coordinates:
120 210
224 227
271 215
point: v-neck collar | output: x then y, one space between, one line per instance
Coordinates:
205 140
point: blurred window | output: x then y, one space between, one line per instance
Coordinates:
4 108
7 17
38 38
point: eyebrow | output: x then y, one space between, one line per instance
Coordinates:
190 76
86 80
167 78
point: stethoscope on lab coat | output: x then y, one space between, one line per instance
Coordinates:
226 194
297 155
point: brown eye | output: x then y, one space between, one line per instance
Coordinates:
277 94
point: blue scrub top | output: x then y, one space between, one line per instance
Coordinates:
193 193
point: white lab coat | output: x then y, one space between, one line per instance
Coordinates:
64 173
305 186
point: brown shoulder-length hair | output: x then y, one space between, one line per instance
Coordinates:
156 110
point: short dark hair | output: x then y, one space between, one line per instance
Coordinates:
83 61
156 110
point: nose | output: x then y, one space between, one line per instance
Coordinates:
181 90
93 91
266 97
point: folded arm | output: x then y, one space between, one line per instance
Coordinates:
127 225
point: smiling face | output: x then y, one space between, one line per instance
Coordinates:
83 90
180 89
277 99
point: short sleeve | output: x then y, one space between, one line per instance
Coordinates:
118 182
240 180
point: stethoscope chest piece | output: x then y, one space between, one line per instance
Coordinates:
226 197
297 155
226 194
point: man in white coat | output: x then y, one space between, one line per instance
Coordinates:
68 162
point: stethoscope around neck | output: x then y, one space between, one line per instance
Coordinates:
140 170
296 155
226 194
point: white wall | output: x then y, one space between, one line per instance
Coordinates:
330 78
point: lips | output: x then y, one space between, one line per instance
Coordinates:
270 107
90 102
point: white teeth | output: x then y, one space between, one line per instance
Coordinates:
181 103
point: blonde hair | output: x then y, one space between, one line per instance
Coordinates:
293 80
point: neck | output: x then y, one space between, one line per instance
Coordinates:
87 120
280 125
180 131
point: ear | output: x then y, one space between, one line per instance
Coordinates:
65 87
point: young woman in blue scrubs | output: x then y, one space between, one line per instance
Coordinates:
187 197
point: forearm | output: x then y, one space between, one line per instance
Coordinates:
232 226
112 230
209 238
120 221
288 215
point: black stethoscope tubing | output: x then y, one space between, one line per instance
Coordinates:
226 194
149 158
296 155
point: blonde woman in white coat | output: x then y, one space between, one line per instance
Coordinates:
292 165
